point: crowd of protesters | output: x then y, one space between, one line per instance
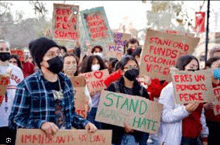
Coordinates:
35 95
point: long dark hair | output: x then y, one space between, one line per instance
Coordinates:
125 60
184 61
77 61
17 59
87 63
210 61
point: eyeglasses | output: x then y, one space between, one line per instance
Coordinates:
131 67
14 62
53 54
4 49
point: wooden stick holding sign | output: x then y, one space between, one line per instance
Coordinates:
96 25
192 86
65 22
4 82
81 101
95 80
217 103
161 51
63 137
116 49
139 113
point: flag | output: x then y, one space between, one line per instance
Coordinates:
200 22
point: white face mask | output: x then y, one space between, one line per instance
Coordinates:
95 67
99 54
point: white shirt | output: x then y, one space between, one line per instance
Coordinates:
16 78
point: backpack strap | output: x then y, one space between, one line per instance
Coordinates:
116 87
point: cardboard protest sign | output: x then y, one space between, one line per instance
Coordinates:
139 113
95 80
18 52
116 49
80 100
217 103
161 51
63 137
65 22
96 25
4 81
192 86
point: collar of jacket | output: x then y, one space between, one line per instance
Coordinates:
136 85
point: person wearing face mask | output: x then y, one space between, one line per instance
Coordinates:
89 64
130 46
213 121
16 76
45 99
97 50
182 124
128 84
71 69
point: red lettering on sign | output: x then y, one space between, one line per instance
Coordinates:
217 107
98 74
191 97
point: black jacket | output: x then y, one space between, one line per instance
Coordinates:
117 132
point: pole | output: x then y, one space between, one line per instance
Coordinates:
207 32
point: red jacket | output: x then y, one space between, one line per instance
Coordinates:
155 88
113 77
191 125
28 69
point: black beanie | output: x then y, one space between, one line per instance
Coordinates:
39 47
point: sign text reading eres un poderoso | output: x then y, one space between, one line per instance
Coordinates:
139 113
192 86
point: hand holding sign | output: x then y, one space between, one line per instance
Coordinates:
91 128
50 129
191 107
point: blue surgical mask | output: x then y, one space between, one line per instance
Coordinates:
216 73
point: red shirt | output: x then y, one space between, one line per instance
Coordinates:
191 126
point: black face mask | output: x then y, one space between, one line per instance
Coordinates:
129 51
192 70
4 56
132 74
55 64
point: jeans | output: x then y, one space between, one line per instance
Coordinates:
190 141
91 118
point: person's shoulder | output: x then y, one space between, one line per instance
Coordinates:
15 68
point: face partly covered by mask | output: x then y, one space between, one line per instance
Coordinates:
70 65
131 70
4 52
52 60
95 65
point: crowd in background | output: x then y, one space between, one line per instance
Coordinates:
188 124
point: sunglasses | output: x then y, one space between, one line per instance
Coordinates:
2 49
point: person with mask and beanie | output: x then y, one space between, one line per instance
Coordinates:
128 84
44 100
16 76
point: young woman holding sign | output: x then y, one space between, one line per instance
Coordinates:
70 69
213 121
182 124
89 64
128 84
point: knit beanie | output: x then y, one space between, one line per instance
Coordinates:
39 47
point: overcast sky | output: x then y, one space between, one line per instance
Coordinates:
135 11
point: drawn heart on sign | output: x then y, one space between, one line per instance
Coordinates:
98 74
77 83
